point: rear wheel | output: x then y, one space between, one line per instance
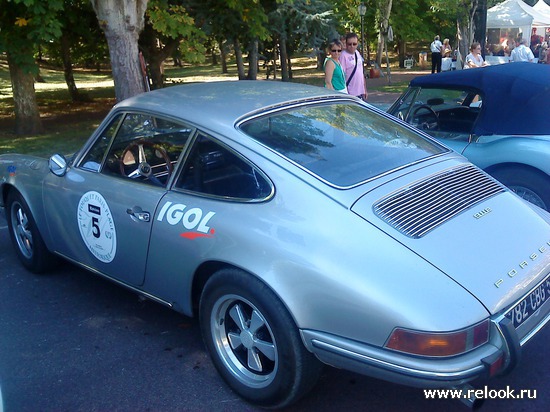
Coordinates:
528 184
253 341
26 238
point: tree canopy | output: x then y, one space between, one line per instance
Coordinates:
252 30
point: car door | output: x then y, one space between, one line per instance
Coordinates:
203 217
100 212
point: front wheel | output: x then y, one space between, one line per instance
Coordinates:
253 341
26 238
528 184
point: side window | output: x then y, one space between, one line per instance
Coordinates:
94 158
211 169
144 148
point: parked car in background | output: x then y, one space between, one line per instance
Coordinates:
498 117
302 226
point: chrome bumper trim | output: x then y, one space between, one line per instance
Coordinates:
369 361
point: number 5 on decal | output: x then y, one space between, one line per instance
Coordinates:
95 228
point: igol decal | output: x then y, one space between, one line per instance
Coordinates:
194 219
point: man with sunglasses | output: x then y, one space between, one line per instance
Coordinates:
352 64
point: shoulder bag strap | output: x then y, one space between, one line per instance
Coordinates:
353 72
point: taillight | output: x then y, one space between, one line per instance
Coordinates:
439 343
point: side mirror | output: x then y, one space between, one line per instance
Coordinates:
58 165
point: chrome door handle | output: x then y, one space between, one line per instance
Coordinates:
138 214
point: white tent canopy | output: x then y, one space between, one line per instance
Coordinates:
542 8
515 14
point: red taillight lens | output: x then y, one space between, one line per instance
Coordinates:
439 344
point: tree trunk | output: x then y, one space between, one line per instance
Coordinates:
155 53
239 59
122 21
402 51
253 61
465 32
284 59
223 56
27 116
384 25
68 69
289 62
214 56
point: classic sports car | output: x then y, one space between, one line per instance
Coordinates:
497 117
303 227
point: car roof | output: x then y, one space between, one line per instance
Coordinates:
219 105
515 96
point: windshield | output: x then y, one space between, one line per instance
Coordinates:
342 143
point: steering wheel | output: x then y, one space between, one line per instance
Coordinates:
139 158
426 124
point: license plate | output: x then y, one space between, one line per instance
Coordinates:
530 304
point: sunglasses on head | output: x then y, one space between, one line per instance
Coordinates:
336 50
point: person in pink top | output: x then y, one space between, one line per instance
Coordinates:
352 64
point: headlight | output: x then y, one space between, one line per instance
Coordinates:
439 343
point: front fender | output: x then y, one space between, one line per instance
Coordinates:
25 174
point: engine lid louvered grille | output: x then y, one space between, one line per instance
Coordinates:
423 206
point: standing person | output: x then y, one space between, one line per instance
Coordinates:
544 56
446 61
474 58
334 75
436 48
352 64
522 53
447 49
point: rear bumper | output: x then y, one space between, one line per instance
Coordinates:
499 356
395 367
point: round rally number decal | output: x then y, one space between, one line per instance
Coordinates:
97 226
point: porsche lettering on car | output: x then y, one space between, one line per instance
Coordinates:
302 227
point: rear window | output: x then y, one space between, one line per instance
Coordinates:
342 143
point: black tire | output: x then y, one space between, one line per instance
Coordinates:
528 184
27 241
254 342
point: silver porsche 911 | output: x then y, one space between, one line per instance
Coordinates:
302 227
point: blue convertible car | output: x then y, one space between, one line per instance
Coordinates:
496 116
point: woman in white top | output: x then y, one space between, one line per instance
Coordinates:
474 58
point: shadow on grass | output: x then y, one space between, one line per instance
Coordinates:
68 124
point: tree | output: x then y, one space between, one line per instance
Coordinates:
81 41
122 22
25 24
237 21
465 12
169 27
299 25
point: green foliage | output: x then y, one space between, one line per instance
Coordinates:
27 24
170 20
86 40
304 24
234 19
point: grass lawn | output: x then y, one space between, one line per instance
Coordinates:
68 124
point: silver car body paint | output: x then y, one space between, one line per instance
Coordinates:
347 276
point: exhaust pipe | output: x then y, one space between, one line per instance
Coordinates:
469 399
